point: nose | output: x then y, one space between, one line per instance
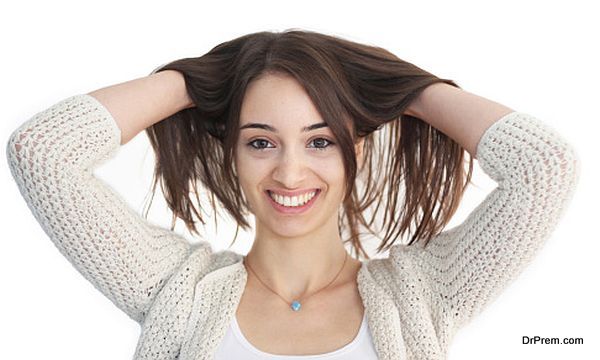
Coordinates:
290 169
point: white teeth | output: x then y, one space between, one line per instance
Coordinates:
292 201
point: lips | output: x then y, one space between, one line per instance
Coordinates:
295 209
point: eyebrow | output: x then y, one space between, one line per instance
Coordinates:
272 129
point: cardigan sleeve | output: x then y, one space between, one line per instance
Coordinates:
464 268
52 157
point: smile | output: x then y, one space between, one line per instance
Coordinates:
294 204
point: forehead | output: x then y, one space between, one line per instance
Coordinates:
279 100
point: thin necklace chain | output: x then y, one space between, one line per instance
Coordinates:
302 298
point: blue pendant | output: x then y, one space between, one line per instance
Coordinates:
296 305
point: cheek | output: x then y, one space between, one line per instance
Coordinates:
331 170
250 171
246 181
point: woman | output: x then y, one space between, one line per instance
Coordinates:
308 133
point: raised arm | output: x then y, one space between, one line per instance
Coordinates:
140 103
464 268
52 157
459 114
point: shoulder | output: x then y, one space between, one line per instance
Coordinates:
400 274
214 260
397 266
224 258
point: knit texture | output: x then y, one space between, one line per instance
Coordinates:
184 294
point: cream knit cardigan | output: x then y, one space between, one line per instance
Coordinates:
184 295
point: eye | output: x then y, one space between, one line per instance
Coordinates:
324 147
259 141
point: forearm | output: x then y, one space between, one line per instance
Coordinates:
142 102
461 115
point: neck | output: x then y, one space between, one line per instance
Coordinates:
299 266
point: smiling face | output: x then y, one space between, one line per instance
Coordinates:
284 146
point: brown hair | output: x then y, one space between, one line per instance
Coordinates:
358 90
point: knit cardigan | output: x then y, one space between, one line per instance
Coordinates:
184 295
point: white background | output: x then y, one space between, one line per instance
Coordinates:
536 57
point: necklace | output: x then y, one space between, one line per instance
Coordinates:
295 305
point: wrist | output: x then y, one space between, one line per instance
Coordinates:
181 99
419 107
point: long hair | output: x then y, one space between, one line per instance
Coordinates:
360 91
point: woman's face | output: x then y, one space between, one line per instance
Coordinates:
285 146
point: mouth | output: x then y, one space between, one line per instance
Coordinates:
280 204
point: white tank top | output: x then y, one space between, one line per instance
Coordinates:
236 346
